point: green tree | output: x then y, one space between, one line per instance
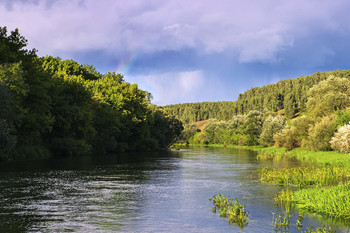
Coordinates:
271 126
252 127
328 96
320 134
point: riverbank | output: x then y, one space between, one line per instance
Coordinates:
319 157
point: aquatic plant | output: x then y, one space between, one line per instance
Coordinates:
281 222
284 199
329 201
234 210
322 229
302 176
300 221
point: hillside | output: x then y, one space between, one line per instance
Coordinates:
289 95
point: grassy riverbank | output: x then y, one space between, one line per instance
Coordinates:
326 187
318 157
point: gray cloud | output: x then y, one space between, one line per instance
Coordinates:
189 51
256 31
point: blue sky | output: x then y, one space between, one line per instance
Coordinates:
189 51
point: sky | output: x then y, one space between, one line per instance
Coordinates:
189 51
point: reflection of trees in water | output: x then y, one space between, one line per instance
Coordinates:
75 193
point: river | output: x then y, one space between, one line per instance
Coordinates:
138 192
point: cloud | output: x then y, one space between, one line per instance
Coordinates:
263 45
256 31
172 87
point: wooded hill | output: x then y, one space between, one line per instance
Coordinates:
288 95
50 106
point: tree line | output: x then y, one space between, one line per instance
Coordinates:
50 106
287 96
322 122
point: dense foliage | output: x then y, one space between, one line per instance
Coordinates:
287 96
318 126
53 106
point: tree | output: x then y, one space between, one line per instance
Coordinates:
295 134
252 127
271 126
290 105
7 138
320 134
328 96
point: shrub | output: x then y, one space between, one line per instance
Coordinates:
341 140
271 126
295 134
342 118
321 134
287 138
188 133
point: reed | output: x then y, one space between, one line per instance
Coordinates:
322 229
281 221
284 199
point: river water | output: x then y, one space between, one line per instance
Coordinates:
139 192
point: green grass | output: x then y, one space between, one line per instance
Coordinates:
334 169
330 201
319 157
284 199
304 176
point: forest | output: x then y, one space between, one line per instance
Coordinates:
54 107
288 96
311 112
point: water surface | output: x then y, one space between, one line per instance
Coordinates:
138 192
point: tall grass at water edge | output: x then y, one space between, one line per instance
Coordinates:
304 176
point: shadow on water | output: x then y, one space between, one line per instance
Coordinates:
35 195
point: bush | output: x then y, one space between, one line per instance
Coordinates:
188 133
287 138
342 118
321 134
341 140
271 126
201 138
70 147
295 134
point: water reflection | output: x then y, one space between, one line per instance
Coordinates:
138 192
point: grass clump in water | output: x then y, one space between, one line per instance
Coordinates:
234 210
281 222
322 229
284 199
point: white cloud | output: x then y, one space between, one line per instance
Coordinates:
171 87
